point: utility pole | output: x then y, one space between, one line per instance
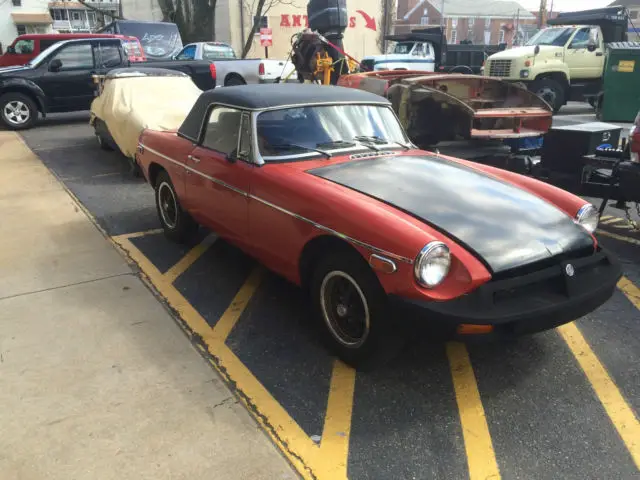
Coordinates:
442 13
542 12
517 26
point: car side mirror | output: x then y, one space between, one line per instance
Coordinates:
591 46
55 65
233 156
536 50
11 50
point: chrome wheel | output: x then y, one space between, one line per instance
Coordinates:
16 112
168 205
345 309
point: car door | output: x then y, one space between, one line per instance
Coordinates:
70 87
583 63
218 176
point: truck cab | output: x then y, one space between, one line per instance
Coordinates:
566 60
404 55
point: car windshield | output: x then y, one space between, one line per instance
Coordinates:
43 54
321 129
213 52
403 47
556 37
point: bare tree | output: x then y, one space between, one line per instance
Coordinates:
256 9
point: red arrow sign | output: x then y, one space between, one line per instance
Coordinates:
370 21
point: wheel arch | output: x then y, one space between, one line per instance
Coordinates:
560 77
315 248
234 75
25 88
154 171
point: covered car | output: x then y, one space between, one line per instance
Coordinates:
322 185
132 99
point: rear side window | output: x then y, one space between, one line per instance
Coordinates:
44 44
223 130
110 55
214 52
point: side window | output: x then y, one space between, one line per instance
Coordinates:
594 35
75 57
581 38
188 53
110 55
44 44
244 152
419 50
23 47
222 130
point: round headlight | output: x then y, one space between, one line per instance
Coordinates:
588 217
432 264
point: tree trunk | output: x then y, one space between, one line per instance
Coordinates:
254 28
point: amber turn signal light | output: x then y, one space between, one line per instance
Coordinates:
468 329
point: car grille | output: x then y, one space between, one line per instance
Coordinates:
500 68
367 65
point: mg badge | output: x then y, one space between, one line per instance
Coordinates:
570 270
606 136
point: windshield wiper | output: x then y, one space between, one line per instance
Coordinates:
289 146
337 144
379 141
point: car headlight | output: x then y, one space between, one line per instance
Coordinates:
432 264
588 217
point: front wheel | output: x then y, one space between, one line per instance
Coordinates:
550 91
18 111
351 308
176 223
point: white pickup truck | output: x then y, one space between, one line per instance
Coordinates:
231 70
407 55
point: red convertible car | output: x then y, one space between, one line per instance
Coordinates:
322 185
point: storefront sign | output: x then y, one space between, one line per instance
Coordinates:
302 21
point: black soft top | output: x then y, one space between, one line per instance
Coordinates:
272 96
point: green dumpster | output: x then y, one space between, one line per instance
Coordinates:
621 83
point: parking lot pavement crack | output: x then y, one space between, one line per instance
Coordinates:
68 285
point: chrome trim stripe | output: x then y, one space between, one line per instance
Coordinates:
287 212
212 179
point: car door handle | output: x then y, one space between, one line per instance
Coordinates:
599 54
194 159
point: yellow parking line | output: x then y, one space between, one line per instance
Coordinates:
334 447
481 457
612 221
632 292
621 415
189 259
619 237
232 314
605 217
155 231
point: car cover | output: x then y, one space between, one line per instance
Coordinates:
130 104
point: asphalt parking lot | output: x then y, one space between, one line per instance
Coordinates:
561 404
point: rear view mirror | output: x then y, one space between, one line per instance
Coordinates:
591 46
536 50
55 65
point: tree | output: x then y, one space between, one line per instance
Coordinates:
257 9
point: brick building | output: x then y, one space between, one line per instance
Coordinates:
480 21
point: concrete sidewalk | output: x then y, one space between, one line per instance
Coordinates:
96 379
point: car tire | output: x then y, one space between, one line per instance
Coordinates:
18 111
358 331
104 145
176 223
233 81
550 91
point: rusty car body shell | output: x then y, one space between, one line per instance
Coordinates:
434 107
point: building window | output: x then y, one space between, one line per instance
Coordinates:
75 15
454 36
59 14
424 20
22 29
501 40
17 3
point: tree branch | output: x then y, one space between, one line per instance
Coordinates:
111 13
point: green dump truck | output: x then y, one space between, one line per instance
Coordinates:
564 61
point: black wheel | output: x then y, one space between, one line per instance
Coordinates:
234 80
104 145
177 224
351 308
18 111
550 91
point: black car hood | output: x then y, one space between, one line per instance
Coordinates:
504 226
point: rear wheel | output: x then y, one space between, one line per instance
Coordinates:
176 223
18 111
351 308
550 91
